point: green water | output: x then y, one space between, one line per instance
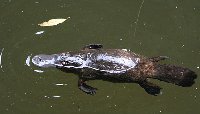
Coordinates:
149 27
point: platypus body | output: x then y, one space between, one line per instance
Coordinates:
116 65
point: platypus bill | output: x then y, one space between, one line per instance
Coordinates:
116 65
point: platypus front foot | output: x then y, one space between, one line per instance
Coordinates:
158 58
86 88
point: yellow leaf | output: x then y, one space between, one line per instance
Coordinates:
53 22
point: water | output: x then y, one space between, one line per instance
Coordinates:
151 28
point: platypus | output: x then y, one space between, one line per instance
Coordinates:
116 65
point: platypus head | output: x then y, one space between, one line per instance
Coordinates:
45 61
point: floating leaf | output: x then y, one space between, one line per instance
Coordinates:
52 22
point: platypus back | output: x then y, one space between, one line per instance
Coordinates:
175 74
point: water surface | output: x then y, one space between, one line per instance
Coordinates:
150 28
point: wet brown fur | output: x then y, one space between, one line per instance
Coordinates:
147 68
144 69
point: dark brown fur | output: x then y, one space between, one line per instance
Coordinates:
175 74
169 73
145 69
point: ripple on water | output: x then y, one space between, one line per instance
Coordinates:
28 59
27 62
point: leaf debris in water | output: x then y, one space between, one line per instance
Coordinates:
53 22
1 56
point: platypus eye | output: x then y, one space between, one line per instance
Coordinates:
40 59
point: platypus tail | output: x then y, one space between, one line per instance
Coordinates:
175 74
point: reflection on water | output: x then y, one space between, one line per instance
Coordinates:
60 84
39 32
1 57
39 71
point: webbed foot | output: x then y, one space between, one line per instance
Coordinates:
93 46
150 88
86 88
